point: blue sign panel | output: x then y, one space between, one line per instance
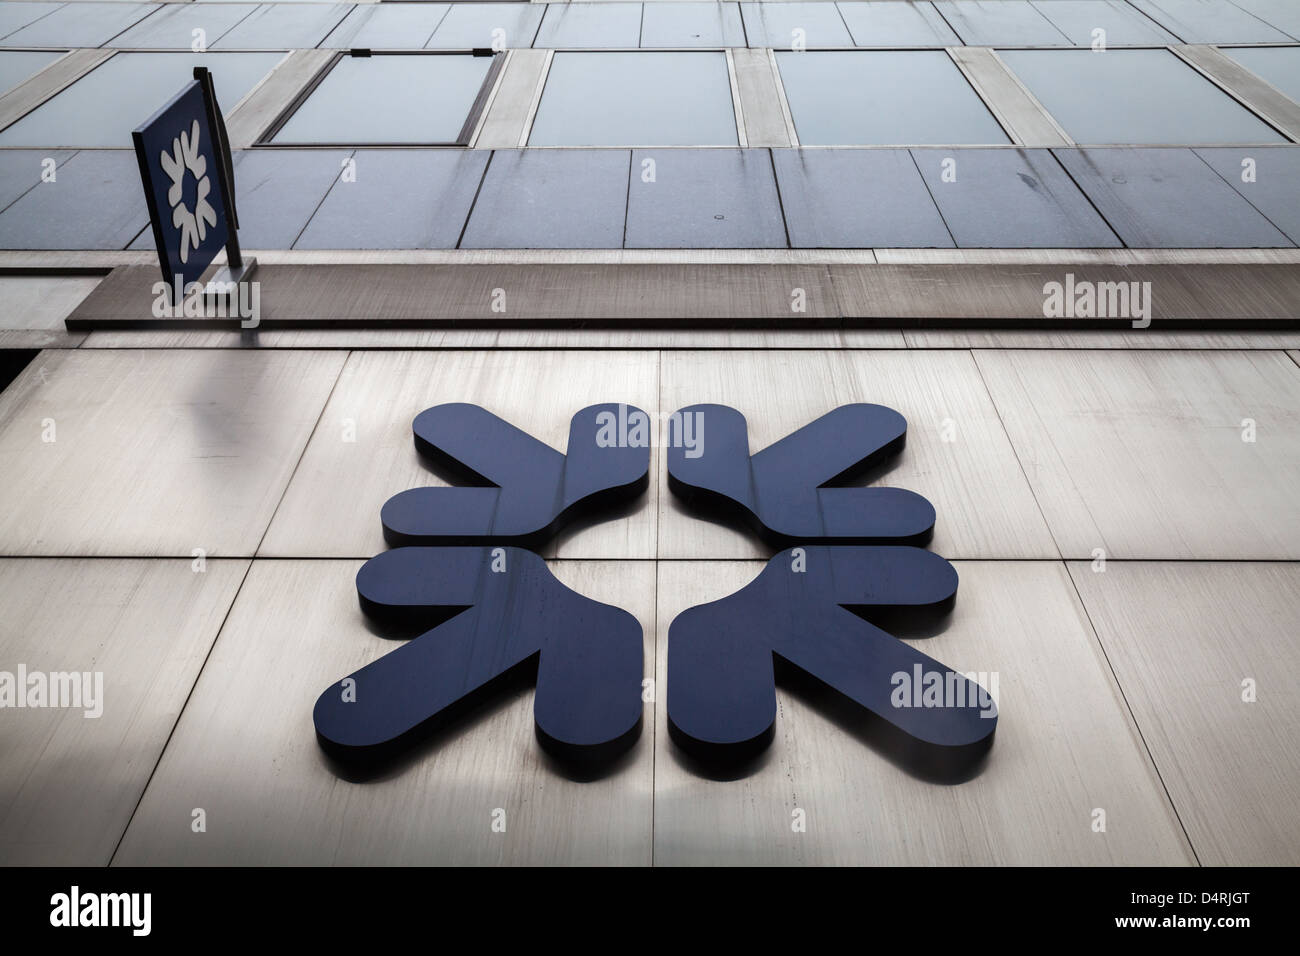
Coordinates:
181 167
820 612
811 610
492 611
791 492
527 490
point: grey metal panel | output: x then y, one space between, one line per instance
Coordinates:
704 198
380 393
469 25
101 108
40 339
580 295
1005 198
400 199
508 113
692 24
27 96
774 25
172 26
20 171
69 783
1000 23
1209 21
1142 454
1135 97
41 301
1015 108
95 203
551 199
835 101
1279 65
18 66
985 507
846 198
15 16
155 452
1143 193
1280 108
1065 745
1092 339
273 96
81 24
246 741
636 98
380 26
890 23
1182 639
1283 14
1275 190
1123 25
760 99
1235 297
280 189
590 25
282 26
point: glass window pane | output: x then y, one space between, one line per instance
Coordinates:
102 107
468 25
636 99
1279 65
16 66
884 98
1136 97
409 99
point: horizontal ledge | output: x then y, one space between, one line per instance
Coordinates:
82 262
787 295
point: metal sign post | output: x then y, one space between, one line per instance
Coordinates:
188 177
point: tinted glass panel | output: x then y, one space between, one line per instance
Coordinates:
389 99
18 65
1134 96
1279 65
883 98
636 99
102 107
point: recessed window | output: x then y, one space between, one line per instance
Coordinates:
1279 65
102 107
884 98
16 66
636 99
1138 97
400 99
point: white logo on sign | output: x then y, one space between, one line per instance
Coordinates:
185 156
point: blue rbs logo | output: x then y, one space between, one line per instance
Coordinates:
480 607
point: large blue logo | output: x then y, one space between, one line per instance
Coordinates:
484 608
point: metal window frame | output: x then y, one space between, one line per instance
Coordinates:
463 138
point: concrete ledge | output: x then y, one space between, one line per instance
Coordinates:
1236 297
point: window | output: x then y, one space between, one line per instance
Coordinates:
884 98
391 99
636 99
16 66
1140 97
1279 65
102 107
